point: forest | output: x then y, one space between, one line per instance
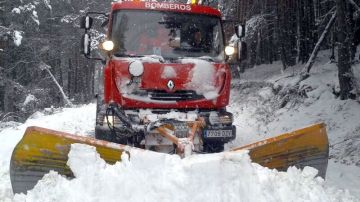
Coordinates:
41 65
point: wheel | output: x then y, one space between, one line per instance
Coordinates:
102 132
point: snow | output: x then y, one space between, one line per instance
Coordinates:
47 4
17 38
168 73
202 78
77 120
69 18
253 23
180 116
255 101
27 7
342 175
16 10
28 99
213 177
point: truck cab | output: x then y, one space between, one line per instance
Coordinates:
165 64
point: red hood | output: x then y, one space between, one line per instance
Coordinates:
204 84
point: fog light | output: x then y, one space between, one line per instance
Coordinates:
136 68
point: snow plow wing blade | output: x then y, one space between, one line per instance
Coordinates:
304 147
42 150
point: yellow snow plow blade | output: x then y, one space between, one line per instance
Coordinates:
42 150
304 147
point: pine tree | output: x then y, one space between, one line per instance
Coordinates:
344 65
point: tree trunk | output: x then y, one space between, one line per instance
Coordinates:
46 67
311 60
344 67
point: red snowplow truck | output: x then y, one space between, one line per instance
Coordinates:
166 85
166 66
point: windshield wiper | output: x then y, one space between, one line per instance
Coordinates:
207 58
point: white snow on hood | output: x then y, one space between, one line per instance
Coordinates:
202 78
150 176
168 73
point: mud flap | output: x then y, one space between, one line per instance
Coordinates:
304 147
42 150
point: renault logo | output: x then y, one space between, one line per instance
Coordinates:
170 84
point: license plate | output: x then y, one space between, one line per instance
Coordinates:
219 133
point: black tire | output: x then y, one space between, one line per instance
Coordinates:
102 132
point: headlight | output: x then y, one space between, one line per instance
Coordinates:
229 50
108 45
136 68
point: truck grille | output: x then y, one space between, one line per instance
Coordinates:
180 95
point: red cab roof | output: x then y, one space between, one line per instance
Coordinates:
165 6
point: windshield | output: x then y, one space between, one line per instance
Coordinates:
167 34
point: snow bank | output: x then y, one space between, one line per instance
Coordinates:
257 115
72 120
342 175
151 176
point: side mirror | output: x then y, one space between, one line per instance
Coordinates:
85 44
86 22
240 31
105 23
241 51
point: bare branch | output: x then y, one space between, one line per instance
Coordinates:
355 5
311 60
44 66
